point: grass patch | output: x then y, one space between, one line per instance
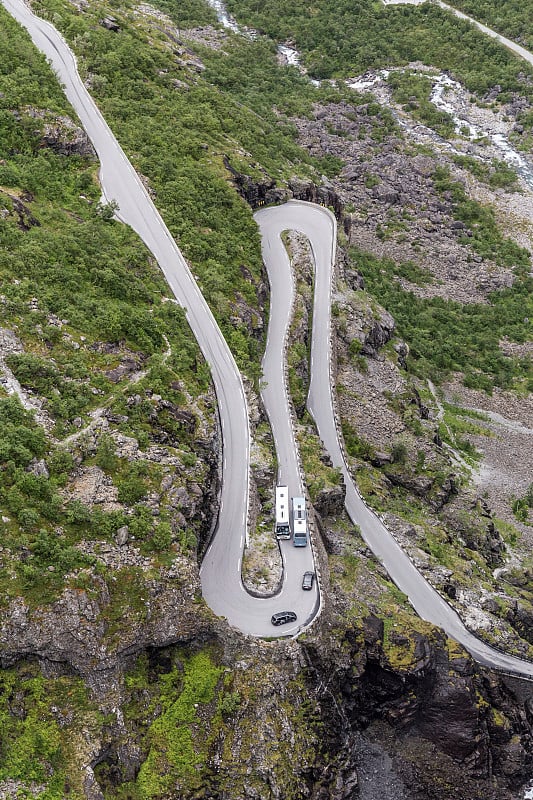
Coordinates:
41 719
178 738
319 476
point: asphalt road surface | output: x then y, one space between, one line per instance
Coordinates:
221 569
426 601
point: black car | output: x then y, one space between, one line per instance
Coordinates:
282 617
308 580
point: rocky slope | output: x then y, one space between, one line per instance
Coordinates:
391 208
117 681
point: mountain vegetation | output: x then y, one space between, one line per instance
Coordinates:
346 38
177 127
117 682
72 278
513 18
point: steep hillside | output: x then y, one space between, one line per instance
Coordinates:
117 681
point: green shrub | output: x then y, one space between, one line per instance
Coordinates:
60 462
77 513
28 518
162 537
399 452
142 522
445 336
356 446
106 457
21 439
131 489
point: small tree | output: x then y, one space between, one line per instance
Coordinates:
106 457
399 452
107 210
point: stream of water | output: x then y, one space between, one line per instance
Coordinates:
442 84
463 127
289 54
472 132
225 19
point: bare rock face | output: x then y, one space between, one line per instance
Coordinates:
521 618
385 193
462 736
68 139
259 193
26 219
75 632
435 713
247 315
127 367
362 323
379 334
264 475
38 467
256 193
92 486
330 502
9 342
417 484
478 532
324 195
122 536
63 136
110 24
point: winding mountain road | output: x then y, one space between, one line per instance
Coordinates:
121 183
317 224
221 569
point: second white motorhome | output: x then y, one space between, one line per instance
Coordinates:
299 522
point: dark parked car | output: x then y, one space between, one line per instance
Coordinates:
282 617
308 580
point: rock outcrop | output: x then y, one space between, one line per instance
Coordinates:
259 193
437 709
413 697
62 135
330 502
